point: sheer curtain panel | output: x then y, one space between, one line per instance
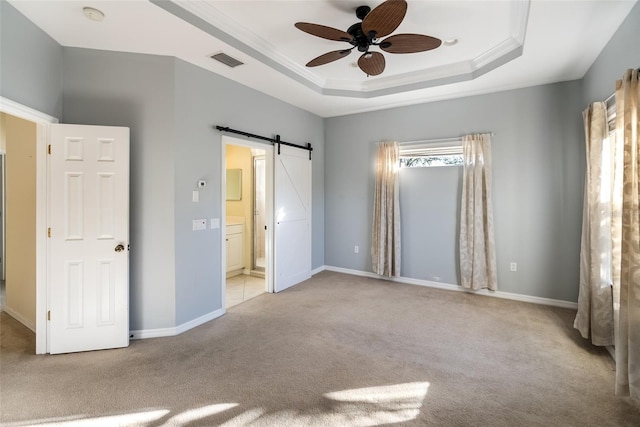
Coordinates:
594 319
477 246
626 290
385 249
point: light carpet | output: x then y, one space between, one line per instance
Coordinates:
336 350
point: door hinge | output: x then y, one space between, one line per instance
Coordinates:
49 149
49 315
49 232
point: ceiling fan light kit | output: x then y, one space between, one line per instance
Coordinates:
376 23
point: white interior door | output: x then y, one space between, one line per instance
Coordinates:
88 271
292 188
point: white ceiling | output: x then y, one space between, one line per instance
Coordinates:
503 44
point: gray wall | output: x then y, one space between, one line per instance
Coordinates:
537 187
538 178
621 53
30 63
430 204
137 91
203 100
171 108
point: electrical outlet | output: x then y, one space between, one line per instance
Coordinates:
513 266
356 249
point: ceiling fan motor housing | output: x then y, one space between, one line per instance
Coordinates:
362 11
360 39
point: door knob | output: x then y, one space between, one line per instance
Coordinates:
119 248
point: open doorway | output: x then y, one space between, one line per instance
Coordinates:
246 214
42 122
17 233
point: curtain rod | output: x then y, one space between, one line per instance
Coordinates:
609 97
449 139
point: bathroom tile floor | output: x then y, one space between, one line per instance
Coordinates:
242 288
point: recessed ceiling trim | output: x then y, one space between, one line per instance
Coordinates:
503 48
190 17
415 77
519 20
213 16
207 17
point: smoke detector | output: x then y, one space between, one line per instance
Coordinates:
93 14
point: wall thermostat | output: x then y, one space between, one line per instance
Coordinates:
202 183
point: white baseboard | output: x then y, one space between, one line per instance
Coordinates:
318 270
176 330
457 288
167 332
612 351
19 318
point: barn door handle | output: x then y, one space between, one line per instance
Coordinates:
119 248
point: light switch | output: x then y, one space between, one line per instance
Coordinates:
215 222
196 196
199 224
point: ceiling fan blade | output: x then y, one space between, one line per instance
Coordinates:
328 57
372 63
385 18
409 43
324 32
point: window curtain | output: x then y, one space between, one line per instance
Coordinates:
594 319
385 250
626 284
477 245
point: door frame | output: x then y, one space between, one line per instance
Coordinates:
3 214
262 157
269 256
42 121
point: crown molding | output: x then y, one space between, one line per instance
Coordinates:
207 17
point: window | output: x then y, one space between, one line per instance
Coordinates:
429 155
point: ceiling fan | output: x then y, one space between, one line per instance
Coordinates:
376 23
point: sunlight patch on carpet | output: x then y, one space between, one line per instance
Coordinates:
191 415
245 419
183 418
370 406
410 393
373 406
136 418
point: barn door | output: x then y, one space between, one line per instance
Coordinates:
88 254
292 234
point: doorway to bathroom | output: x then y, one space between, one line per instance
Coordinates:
247 215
